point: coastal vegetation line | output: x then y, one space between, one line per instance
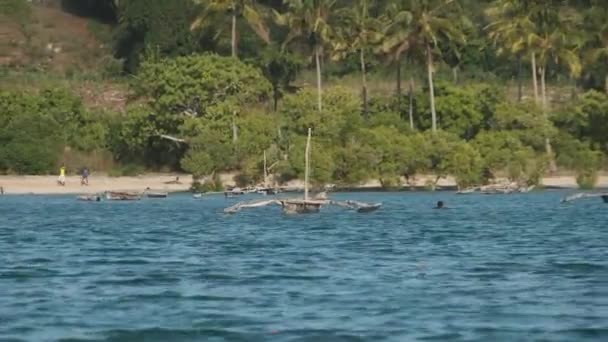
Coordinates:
391 89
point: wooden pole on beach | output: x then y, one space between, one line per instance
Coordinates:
307 165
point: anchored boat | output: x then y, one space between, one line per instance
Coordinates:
122 196
305 205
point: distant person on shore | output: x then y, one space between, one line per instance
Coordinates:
1 190
85 176
61 179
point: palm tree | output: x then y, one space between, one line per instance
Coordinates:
556 41
509 30
396 45
247 9
423 25
309 20
357 32
596 28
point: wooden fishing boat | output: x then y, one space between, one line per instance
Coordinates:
295 206
234 192
157 194
306 205
466 191
582 195
89 198
122 196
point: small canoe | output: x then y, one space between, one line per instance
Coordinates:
157 194
197 195
369 208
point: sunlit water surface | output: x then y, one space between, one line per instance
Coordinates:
491 268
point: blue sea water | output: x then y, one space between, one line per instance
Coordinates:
491 268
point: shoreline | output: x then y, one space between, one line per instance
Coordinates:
47 185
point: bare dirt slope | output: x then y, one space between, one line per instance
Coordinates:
54 48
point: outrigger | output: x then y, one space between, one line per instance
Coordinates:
305 205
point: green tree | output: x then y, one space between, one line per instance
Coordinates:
280 68
423 25
153 26
309 20
596 34
466 165
509 30
249 10
202 86
31 143
357 32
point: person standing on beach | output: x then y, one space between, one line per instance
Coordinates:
85 176
61 179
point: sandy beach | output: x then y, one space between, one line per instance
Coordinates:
40 185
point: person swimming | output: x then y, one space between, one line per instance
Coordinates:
440 205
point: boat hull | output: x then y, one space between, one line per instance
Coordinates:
122 196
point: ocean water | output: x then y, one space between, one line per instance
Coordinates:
490 268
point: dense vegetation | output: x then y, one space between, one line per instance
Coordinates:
214 87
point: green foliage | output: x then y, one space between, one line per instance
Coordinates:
209 152
466 165
163 26
341 113
526 121
322 163
206 85
280 68
593 110
129 170
37 126
588 164
30 143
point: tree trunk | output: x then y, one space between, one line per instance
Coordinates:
265 171
519 80
411 105
364 84
545 105
398 90
235 129
455 75
534 80
431 90
319 84
233 42
275 98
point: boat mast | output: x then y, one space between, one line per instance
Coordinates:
307 165
265 171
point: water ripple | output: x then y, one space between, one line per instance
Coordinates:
493 268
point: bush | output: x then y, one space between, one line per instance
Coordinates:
588 164
30 144
466 165
129 170
209 185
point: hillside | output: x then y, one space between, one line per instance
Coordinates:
48 47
